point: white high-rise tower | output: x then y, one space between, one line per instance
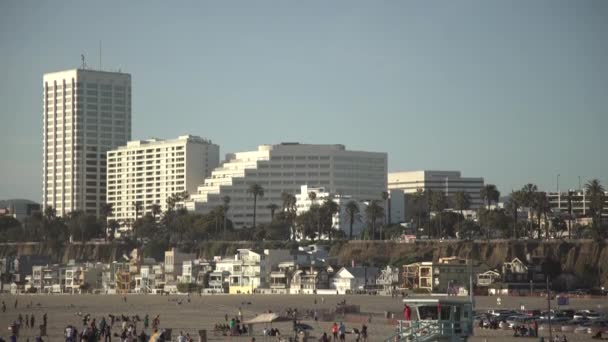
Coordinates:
85 113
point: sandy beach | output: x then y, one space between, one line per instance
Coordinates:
203 312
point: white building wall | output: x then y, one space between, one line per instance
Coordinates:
284 168
85 114
150 171
448 182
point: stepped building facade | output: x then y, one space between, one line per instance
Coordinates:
285 168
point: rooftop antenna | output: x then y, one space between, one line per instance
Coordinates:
82 58
100 55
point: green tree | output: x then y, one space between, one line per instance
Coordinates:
83 225
462 202
373 211
352 214
225 208
145 227
306 223
106 211
438 204
528 193
512 206
327 211
418 205
490 194
256 191
273 208
113 226
570 214
289 212
155 210
542 207
595 191
387 202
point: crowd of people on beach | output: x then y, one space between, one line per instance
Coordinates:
27 322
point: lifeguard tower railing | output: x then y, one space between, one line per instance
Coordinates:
436 319
431 330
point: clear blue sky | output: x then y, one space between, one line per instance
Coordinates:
514 91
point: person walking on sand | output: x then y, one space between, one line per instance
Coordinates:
342 332
3 306
146 321
32 321
364 333
407 312
334 331
27 320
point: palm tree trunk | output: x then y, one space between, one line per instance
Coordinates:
350 233
255 200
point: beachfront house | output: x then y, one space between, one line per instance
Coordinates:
218 282
174 260
447 275
388 279
418 276
308 280
353 279
487 278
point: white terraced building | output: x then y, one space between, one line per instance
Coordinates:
85 114
149 171
285 168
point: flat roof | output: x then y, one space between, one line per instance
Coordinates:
440 300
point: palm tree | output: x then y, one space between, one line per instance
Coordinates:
155 210
290 209
352 212
418 205
490 194
528 192
462 202
438 205
373 211
512 206
328 209
596 193
257 191
272 207
385 197
138 206
225 208
569 199
542 207
106 211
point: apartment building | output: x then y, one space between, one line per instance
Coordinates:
147 172
85 114
448 182
560 202
285 168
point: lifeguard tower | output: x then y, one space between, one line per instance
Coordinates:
436 319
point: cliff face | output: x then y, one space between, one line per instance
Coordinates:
583 258
78 252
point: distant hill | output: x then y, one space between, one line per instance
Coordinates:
17 201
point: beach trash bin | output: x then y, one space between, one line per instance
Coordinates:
202 335
387 314
42 330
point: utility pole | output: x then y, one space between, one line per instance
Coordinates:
559 196
549 310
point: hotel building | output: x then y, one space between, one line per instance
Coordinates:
85 114
147 172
